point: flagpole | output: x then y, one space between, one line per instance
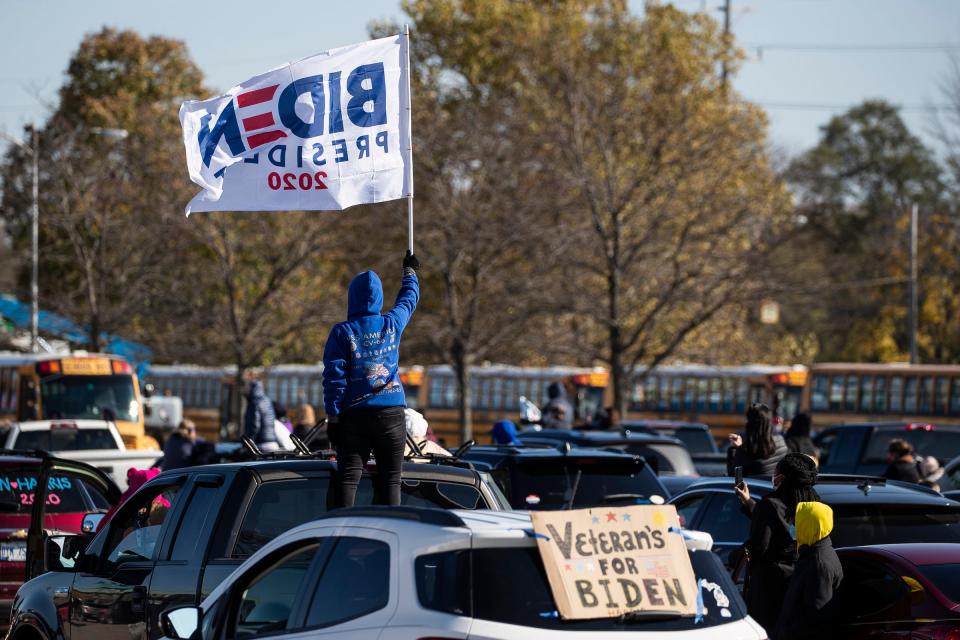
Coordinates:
406 35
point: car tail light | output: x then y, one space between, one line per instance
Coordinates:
945 633
916 426
119 366
63 425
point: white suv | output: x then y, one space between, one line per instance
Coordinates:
409 573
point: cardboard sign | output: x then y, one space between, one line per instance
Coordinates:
605 562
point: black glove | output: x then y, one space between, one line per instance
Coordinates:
410 262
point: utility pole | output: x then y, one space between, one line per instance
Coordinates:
726 32
914 309
35 244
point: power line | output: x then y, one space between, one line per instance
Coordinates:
855 48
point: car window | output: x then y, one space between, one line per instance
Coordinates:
695 440
941 444
199 516
18 488
669 458
66 439
442 583
552 483
845 452
510 586
267 600
855 525
950 481
355 582
946 577
867 588
825 442
724 520
134 537
687 508
97 497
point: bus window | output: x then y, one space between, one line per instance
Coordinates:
496 401
880 395
743 388
449 393
940 406
703 393
955 398
866 393
435 392
729 402
663 394
690 394
836 393
676 394
925 393
511 399
896 394
474 388
910 395
850 394
716 389
818 394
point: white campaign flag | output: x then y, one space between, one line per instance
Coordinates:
323 133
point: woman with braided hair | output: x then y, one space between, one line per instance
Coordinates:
771 547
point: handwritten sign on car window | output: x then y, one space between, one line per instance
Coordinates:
607 562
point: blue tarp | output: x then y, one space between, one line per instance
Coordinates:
65 329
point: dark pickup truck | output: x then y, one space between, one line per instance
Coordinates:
861 449
184 531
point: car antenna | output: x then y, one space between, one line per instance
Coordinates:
864 486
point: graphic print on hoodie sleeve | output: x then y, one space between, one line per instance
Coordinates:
361 358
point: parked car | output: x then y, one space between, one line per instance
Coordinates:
569 477
186 530
666 456
899 590
426 574
73 491
866 510
696 436
862 448
96 442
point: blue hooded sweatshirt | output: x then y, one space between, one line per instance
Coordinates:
361 357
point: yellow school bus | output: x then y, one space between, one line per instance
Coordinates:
76 385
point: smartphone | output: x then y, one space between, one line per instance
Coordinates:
738 476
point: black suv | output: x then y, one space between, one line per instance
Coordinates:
184 531
862 448
547 478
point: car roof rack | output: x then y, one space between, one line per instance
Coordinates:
851 478
424 515
302 452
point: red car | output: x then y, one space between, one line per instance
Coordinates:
74 490
908 591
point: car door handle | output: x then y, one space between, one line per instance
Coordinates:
138 599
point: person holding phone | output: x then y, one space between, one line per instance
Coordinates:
771 548
759 450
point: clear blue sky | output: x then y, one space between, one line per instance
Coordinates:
232 41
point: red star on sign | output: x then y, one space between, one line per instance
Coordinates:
611 517
567 567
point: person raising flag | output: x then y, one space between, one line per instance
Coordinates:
362 393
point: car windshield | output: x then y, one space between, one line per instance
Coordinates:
510 586
946 577
89 397
551 483
944 445
695 440
668 458
855 525
17 486
66 439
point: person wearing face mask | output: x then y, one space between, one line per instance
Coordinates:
771 547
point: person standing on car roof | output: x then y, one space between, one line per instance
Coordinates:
362 392
809 606
903 466
558 412
798 436
258 419
760 451
771 548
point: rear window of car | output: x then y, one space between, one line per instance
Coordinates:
944 445
66 439
280 505
946 577
552 483
668 458
695 440
18 486
855 525
510 586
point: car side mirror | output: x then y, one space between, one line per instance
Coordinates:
91 522
182 623
60 553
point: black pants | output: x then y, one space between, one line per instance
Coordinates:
359 432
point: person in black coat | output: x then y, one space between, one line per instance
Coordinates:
903 466
760 450
771 549
798 436
809 608
178 450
